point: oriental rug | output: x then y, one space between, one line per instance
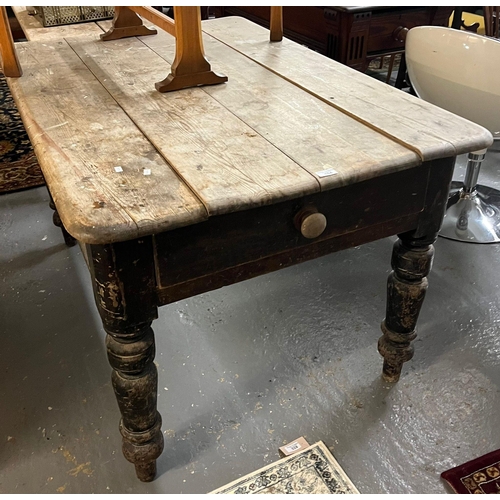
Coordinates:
19 168
311 471
481 475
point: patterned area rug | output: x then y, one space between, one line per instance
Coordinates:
311 471
481 475
18 164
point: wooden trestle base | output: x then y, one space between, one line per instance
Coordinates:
190 68
126 23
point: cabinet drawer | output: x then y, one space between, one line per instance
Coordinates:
382 27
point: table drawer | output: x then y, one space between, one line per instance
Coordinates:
195 253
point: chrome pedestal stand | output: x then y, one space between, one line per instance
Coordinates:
473 211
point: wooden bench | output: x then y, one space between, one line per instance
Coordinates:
175 194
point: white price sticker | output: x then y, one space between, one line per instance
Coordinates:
326 173
292 447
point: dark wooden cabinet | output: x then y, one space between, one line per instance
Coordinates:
350 35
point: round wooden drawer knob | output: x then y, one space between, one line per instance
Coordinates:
311 223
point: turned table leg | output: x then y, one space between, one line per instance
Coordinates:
135 382
406 287
68 239
411 263
123 281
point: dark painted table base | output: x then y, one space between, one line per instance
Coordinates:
132 279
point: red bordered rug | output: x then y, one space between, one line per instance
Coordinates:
481 475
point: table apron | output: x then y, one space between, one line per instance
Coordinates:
241 245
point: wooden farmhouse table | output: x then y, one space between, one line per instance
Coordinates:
174 194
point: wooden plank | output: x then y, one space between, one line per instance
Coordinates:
9 62
34 30
80 136
228 164
312 133
430 131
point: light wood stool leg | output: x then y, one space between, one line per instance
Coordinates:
276 24
8 57
190 67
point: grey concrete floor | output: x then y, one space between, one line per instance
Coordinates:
244 369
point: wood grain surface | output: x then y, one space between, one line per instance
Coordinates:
428 130
80 136
228 164
315 135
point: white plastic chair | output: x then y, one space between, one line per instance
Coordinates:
460 72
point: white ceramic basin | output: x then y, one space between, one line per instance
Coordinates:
458 71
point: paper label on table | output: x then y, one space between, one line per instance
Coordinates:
118 169
326 173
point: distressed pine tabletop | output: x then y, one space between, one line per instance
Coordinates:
123 160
